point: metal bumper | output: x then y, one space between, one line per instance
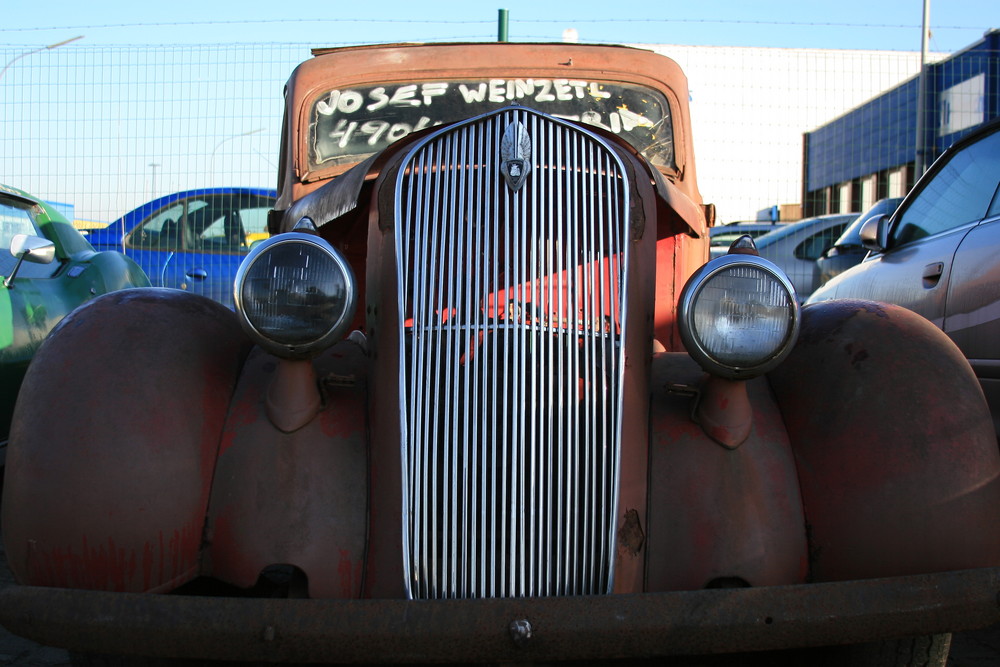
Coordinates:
502 630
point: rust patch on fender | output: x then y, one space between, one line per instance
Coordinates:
825 320
857 356
630 535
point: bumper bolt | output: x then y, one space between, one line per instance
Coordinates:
520 632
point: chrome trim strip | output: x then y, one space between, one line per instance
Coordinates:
512 320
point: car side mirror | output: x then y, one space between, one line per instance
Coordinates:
31 248
875 233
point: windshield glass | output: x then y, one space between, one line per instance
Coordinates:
18 217
350 124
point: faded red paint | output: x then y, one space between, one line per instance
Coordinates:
112 565
243 411
349 571
346 420
666 430
227 556
895 479
216 396
737 512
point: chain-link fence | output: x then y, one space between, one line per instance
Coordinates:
104 129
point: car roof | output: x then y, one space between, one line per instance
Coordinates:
198 192
803 225
53 224
736 227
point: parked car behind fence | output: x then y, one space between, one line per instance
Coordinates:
722 236
192 240
796 247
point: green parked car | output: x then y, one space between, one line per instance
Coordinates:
48 268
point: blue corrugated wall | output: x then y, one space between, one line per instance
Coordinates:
881 134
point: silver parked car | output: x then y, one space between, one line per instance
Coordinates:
722 236
848 251
795 247
939 254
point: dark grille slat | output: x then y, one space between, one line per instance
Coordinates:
512 319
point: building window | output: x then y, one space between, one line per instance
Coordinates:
897 182
869 192
843 204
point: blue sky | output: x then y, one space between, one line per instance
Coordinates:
848 24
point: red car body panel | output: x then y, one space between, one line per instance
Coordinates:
737 512
253 496
124 508
294 497
881 500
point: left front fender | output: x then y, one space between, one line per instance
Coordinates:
114 442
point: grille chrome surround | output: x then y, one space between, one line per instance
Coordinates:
512 319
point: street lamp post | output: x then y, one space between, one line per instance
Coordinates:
920 158
211 162
41 48
152 184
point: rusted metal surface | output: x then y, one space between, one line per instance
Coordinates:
724 411
719 514
295 499
897 458
675 203
600 627
348 67
117 477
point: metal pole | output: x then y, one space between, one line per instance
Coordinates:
502 24
41 48
920 159
152 185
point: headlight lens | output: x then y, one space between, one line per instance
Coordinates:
295 295
739 316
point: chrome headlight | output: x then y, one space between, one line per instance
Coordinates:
739 316
295 295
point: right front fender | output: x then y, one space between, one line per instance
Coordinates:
894 445
114 442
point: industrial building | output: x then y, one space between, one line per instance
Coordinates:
876 150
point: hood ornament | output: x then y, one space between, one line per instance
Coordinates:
515 151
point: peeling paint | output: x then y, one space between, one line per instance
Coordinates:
630 535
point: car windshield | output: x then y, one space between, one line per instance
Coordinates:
803 227
16 217
347 125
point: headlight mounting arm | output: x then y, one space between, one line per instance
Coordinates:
739 318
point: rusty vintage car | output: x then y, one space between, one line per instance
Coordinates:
484 398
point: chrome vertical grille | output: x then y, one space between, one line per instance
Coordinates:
512 316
